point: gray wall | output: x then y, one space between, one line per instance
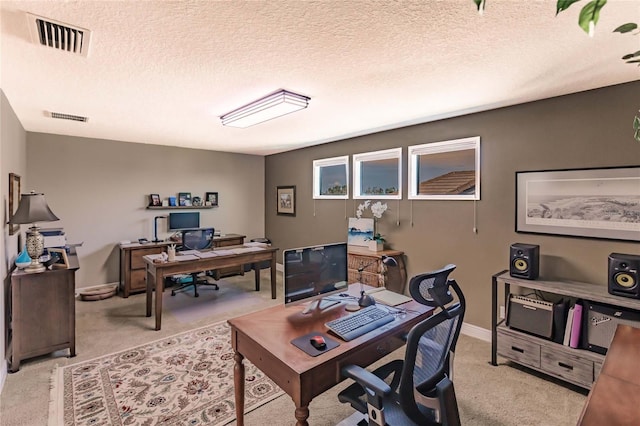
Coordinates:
100 188
12 160
589 129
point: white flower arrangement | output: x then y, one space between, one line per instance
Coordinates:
377 209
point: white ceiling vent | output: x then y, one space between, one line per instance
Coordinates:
57 35
71 117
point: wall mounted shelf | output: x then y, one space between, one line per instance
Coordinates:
178 207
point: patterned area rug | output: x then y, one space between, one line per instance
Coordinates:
186 379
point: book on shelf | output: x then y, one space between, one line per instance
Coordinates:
569 325
576 327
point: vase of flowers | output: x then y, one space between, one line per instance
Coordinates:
376 243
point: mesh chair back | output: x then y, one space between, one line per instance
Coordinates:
431 288
197 239
431 343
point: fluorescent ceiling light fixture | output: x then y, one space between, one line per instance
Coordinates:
275 105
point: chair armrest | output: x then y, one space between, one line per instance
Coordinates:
366 379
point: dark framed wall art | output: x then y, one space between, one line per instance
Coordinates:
592 203
211 199
286 200
14 200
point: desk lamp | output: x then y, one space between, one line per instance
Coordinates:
366 299
155 228
33 208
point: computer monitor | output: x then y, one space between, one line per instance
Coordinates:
197 239
180 221
311 273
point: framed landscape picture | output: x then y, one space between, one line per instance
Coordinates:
592 203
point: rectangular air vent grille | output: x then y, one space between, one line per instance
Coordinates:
57 35
69 117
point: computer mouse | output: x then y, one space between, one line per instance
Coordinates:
318 342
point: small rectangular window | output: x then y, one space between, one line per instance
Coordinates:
378 174
448 170
331 178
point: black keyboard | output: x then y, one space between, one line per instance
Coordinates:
358 323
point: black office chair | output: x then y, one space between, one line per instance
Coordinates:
418 390
194 239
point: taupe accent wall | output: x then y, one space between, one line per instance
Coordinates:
100 188
588 129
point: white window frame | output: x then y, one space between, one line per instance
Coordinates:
415 151
387 154
325 162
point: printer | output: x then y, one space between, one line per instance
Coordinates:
54 238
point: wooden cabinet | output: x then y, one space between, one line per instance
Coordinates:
132 268
374 274
42 313
578 366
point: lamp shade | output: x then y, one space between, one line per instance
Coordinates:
33 208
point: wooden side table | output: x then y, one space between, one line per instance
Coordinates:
42 313
394 279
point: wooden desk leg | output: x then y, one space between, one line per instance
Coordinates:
238 384
302 414
159 291
149 291
256 271
273 275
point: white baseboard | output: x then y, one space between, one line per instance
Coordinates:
475 331
3 375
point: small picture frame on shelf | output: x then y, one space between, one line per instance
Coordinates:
59 258
196 201
184 199
211 199
154 200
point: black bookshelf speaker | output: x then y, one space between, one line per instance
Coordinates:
623 275
524 261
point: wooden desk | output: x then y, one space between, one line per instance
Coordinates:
132 267
264 338
42 313
157 272
614 399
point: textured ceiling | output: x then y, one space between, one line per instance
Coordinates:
162 72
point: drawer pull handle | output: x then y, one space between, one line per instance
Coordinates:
513 348
567 366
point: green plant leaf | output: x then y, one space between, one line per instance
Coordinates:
636 123
590 13
564 5
625 28
479 4
631 55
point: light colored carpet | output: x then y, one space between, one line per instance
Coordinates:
229 298
487 395
185 379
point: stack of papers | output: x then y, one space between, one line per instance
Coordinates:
389 298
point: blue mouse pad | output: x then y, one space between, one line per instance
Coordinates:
304 343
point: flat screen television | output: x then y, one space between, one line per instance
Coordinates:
311 273
187 220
